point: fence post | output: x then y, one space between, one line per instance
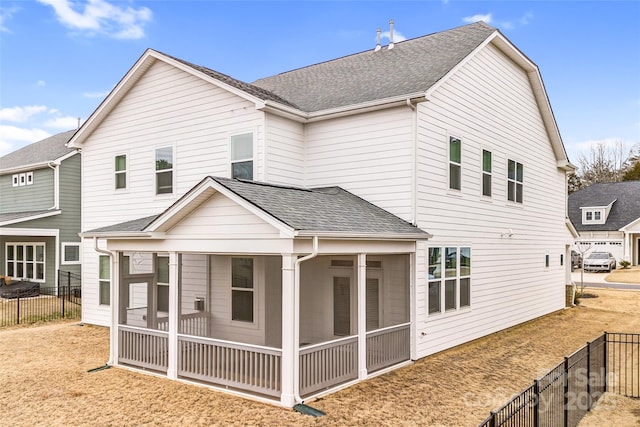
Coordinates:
588 375
69 285
536 403
606 356
18 311
493 419
566 392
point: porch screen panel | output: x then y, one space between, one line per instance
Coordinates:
341 306
373 307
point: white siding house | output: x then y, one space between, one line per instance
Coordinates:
287 237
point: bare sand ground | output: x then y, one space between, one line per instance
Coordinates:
44 379
624 275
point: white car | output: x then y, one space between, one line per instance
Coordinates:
599 261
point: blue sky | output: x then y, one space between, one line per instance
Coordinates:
60 58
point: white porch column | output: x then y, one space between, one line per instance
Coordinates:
174 314
626 250
289 330
114 296
362 316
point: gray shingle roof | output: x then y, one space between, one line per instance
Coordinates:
47 150
411 66
327 209
625 210
23 216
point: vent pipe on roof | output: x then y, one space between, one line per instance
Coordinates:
378 32
390 35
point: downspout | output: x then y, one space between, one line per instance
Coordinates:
296 320
114 301
414 164
56 184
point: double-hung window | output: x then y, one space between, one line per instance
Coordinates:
449 278
242 156
162 272
486 173
515 175
242 290
121 171
455 163
104 280
164 170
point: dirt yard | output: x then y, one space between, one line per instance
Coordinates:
44 379
624 275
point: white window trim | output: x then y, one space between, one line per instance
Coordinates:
253 152
241 323
515 180
449 163
100 280
15 180
29 178
24 261
64 252
125 171
593 211
458 309
483 173
173 170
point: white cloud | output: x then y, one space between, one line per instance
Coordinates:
23 125
93 95
41 83
21 114
397 36
13 137
101 17
6 13
487 18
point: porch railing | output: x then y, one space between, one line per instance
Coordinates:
143 348
242 366
190 324
387 347
328 364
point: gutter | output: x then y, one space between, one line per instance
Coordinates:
363 236
114 309
296 320
56 184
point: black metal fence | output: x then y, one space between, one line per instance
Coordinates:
29 302
565 394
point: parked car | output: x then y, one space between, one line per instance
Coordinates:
576 260
600 261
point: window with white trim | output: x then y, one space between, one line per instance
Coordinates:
104 280
515 179
29 178
242 156
242 290
486 173
164 170
26 261
121 171
449 279
455 163
593 216
162 267
70 253
22 179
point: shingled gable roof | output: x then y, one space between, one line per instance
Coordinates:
39 153
625 209
411 67
316 211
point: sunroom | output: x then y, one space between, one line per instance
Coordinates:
277 293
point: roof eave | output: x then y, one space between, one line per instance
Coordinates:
117 234
31 218
346 235
39 165
347 110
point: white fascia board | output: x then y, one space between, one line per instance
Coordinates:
33 232
211 184
115 234
31 218
362 236
347 110
571 228
25 168
630 225
65 157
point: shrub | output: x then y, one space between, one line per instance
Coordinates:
624 264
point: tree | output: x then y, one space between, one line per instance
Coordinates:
605 163
574 183
632 173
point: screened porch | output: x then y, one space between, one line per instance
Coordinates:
223 321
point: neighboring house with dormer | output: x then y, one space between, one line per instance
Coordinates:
607 216
287 237
40 211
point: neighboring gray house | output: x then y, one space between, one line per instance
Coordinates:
607 216
40 211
